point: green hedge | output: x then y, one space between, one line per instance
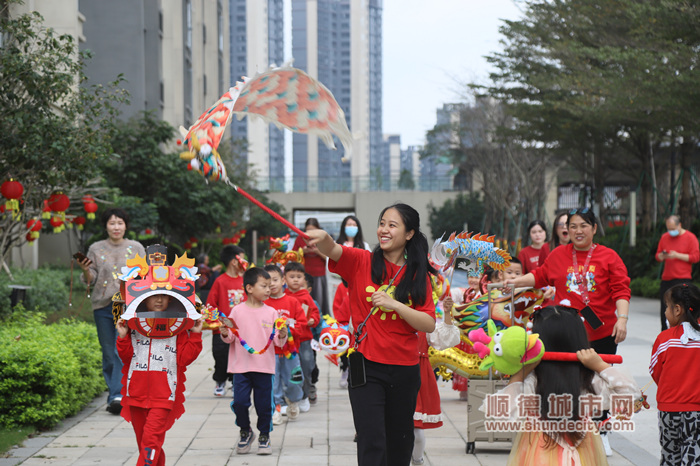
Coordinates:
47 372
50 288
646 287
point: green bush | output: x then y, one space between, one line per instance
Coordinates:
50 288
47 372
645 286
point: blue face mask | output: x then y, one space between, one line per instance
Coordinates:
351 231
674 232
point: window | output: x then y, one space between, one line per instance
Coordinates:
188 24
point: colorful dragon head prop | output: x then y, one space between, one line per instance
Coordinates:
478 248
280 255
150 275
334 338
507 350
474 314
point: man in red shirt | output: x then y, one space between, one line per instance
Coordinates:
678 250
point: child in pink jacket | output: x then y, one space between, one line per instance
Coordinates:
251 360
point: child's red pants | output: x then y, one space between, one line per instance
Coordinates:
150 427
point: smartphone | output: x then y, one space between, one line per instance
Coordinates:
591 317
79 256
357 377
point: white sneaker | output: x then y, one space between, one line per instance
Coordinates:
283 411
220 389
277 418
304 405
343 382
292 409
606 443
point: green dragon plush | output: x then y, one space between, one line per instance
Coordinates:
507 350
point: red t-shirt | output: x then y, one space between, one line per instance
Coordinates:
226 292
532 258
341 305
313 263
290 308
671 367
607 282
389 340
687 243
309 308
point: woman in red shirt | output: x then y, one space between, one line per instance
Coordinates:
390 300
593 279
534 255
588 275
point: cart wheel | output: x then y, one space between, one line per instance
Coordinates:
470 448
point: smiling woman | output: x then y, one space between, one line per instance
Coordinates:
390 299
104 260
591 277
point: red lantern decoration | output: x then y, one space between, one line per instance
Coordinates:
57 224
12 190
194 241
80 221
34 227
59 203
187 245
30 238
46 210
90 206
226 241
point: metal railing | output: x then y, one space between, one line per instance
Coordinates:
352 184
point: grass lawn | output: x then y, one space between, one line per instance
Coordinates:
12 437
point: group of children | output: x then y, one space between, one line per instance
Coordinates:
257 298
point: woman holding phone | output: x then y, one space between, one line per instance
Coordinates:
390 300
104 262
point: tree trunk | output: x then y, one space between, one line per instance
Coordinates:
646 203
685 207
599 185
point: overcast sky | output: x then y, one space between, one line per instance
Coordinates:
429 47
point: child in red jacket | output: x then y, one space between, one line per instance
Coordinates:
294 275
673 358
154 385
287 387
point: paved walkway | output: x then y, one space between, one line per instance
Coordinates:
206 434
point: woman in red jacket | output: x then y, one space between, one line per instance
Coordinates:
588 275
592 278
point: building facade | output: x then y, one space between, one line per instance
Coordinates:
172 54
257 41
339 43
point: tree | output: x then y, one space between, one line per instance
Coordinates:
464 211
406 180
511 175
53 129
604 84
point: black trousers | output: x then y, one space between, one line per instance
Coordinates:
665 286
219 349
382 410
